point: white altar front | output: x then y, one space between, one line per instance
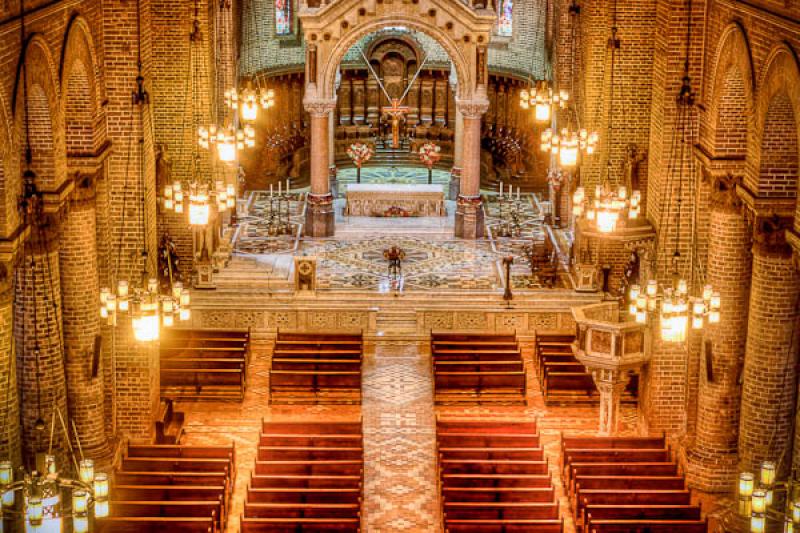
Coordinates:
387 199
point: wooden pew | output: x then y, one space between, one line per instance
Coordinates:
168 423
204 363
164 508
158 524
477 368
504 526
642 512
494 477
316 368
293 525
308 477
649 526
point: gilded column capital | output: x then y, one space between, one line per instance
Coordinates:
472 109
319 107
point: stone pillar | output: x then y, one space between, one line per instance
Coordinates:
713 458
10 444
458 156
769 377
319 212
79 296
469 212
40 357
611 384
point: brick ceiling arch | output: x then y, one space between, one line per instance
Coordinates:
777 119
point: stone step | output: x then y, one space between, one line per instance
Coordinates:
396 320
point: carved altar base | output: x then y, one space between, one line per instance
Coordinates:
320 220
469 218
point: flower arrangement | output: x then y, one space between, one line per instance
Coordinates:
430 154
360 153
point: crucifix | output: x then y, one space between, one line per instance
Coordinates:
396 110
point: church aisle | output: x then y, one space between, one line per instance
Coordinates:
400 493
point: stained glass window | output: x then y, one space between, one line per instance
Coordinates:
283 17
505 18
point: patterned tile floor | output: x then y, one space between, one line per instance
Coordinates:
399 432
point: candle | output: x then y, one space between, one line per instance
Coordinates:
501 188
280 184
270 190
287 185
510 191
517 193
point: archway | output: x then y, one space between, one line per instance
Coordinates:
331 30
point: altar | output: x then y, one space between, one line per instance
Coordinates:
388 199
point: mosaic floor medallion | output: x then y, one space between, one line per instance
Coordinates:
359 264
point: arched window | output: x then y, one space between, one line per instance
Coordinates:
505 18
284 18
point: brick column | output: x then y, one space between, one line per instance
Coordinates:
713 459
319 212
469 212
769 377
10 444
40 358
79 296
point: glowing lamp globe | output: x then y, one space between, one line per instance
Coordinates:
746 483
542 111
86 470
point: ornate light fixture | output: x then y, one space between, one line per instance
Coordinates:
49 498
543 100
148 308
569 144
248 100
675 307
757 501
612 204
608 207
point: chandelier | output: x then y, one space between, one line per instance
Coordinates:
674 307
543 100
247 101
201 196
568 144
757 501
148 308
228 139
609 206
48 498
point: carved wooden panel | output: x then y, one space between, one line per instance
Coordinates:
601 342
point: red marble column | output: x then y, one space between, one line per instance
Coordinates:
319 213
469 212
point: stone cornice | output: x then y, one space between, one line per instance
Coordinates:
12 244
723 193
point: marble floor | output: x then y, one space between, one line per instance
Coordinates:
353 259
399 430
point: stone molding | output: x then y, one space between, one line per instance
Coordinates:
472 109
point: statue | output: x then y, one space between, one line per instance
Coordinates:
630 276
633 159
168 262
163 166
